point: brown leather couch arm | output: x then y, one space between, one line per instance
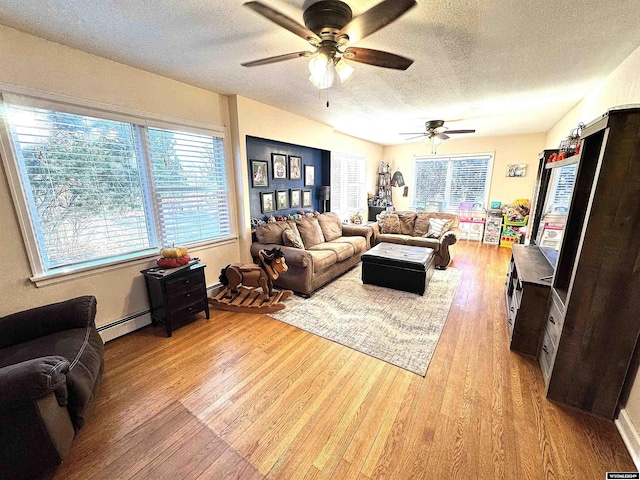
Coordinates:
375 231
293 256
358 231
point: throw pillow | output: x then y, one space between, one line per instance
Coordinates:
389 223
437 226
310 231
330 225
407 222
291 238
271 232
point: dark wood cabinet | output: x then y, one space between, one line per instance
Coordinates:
593 319
177 296
526 294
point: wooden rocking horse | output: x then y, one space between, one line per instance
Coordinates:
242 281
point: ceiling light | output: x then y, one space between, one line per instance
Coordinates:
436 140
324 69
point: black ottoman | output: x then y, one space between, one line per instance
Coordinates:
402 267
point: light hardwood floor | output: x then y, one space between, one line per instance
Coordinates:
246 396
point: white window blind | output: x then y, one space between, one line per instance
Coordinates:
189 186
348 191
448 181
562 186
82 182
94 195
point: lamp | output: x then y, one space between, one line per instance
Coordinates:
324 194
325 67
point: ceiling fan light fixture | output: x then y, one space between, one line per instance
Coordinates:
436 140
323 71
344 70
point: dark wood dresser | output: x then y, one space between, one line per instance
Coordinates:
526 294
178 296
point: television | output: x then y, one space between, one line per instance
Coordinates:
552 205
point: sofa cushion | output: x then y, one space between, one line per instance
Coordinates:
310 231
389 223
358 243
330 225
424 242
291 238
422 224
342 250
437 227
393 238
407 222
271 232
322 259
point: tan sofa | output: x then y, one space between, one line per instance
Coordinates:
330 248
412 228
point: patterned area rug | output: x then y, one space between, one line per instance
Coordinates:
397 327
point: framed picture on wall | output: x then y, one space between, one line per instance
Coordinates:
306 198
516 170
296 197
267 202
295 168
279 166
309 175
282 199
259 175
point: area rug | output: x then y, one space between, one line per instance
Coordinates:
397 327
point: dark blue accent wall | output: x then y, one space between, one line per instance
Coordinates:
261 149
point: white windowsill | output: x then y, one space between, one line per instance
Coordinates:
66 276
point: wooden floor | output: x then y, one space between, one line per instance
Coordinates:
246 396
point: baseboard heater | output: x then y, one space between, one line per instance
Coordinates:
138 320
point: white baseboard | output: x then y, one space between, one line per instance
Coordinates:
136 321
124 326
629 435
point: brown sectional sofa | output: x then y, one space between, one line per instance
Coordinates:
412 228
330 249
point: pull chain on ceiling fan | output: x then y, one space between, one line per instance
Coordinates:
332 30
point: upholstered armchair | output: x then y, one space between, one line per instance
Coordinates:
51 363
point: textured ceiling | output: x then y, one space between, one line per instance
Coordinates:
499 66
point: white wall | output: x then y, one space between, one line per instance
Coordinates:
521 149
31 62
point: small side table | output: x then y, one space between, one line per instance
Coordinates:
176 296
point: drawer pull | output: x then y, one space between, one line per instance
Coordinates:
187 295
511 308
187 281
545 349
551 319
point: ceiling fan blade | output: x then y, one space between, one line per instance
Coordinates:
460 131
375 18
282 20
411 138
442 136
377 58
277 58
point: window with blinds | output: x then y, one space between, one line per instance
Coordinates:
348 191
562 185
449 181
99 190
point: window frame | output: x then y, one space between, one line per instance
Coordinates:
29 97
345 157
451 158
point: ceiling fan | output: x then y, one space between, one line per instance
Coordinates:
435 132
332 30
